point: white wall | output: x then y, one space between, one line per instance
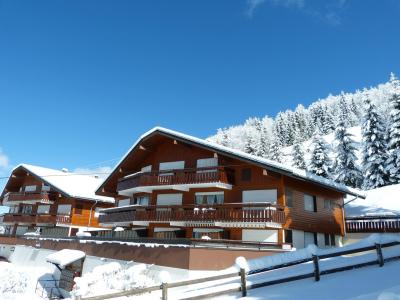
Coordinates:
261 235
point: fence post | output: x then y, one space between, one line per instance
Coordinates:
380 255
243 282
164 287
316 267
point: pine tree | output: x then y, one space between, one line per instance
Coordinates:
298 157
345 167
392 167
275 153
374 148
320 162
250 145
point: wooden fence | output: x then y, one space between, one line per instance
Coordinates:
243 287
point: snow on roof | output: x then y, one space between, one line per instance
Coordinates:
65 257
290 171
72 184
381 201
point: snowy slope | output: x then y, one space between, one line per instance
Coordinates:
380 201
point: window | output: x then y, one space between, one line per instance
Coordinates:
172 165
289 197
310 238
64 209
124 202
211 198
207 163
146 169
30 188
45 188
78 209
310 203
43 209
330 240
142 200
288 236
246 174
27 209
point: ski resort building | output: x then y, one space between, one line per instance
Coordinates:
171 185
51 202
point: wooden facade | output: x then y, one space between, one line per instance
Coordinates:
38 208
238 217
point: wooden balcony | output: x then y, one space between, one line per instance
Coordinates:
28 197
14 218
186 177
224 215
373 224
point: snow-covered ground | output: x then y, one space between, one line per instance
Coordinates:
380 201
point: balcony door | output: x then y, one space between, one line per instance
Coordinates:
168 199
166 177
260 196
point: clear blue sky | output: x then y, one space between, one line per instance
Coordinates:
81 80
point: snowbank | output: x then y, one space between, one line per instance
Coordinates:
65 257
12 281
380 201
111 278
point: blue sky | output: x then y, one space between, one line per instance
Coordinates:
81 80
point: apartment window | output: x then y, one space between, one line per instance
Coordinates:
124 202
246 174
30 188
64 209
329 204
211 198
330 240
27 209
146 169
142 200
310 238
289 197
288 236
169 166
207 163
14 209
43 209
78 209
310 203
45 188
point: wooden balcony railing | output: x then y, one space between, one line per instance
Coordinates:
177 177
63 219
43 197
224 213
373 224
16 218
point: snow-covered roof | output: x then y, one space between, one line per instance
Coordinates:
65 257
287 170
71 184
379 202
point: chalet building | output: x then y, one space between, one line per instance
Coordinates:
172 185
52 202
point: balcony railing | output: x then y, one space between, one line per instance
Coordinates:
43 197
177 177
223 213
373 224
29 218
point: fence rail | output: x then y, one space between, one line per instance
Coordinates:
373 224
242 275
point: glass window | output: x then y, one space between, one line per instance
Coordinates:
78 209
146 169
64 209
27 209
289 197
43 209
310 203
328 204
330 240
288 236
45 188
142 200
30 188
209 198
124 202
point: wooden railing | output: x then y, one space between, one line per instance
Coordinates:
176 177
29 218
44 197
63 219
224 213
373 224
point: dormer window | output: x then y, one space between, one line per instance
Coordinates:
30 188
